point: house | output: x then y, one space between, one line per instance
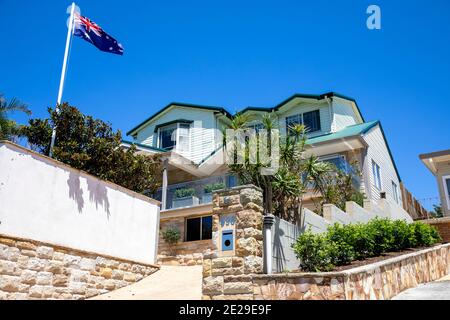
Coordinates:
189 139
439 165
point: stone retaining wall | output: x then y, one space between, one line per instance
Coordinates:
36 270
380 281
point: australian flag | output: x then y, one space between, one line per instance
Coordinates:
91 32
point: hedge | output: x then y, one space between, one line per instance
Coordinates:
342 244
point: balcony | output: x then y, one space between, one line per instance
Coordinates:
195 193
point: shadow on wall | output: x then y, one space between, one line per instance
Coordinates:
98 193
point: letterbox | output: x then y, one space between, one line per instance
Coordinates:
227 240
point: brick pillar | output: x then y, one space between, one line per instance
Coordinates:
227 274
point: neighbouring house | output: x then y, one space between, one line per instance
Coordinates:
189 139
439 165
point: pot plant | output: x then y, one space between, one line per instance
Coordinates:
209 189
184 197
171 236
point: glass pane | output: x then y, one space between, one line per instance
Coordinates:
193 229
206 228
447 182
292 121
166 140
311 120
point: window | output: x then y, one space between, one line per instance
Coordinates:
167 140
395 191
199 228
292 121
338 160
183 137
376 175
175 135
256 126
446 181
310 119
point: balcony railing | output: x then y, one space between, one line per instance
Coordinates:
193 193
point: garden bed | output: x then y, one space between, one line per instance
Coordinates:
387 255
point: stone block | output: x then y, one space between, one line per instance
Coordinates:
212 285
26 245
37 264
87 264
45 252
9 283
225 262
71 261
106 273
237 287
249 219
60 280
8 268
79 275
55 267
77 287
253 195
248 246
253 264
117 274
28 277
129 277
44 278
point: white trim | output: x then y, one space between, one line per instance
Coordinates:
446 195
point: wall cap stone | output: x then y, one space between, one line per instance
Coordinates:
245 186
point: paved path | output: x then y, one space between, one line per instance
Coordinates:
169 283
436 290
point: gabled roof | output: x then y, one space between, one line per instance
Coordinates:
305 96
180 104
351 131
229 115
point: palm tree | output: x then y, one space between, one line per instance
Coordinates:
9 128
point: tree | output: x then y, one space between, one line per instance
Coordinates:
91 145
8 128
285 190
437 211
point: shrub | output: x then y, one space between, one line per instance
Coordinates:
314 252
209 188
184 192
171 235
343 239
342 244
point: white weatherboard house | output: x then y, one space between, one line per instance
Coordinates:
188 137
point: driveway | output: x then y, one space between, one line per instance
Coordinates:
436 290
169 283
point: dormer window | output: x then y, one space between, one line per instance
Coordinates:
311 120
167 140
174 135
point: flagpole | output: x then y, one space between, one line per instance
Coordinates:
63 72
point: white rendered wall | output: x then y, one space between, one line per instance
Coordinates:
45 200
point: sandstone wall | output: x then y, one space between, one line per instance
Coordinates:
184 252
37 270
237 274
226 274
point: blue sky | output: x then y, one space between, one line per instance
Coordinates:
240 53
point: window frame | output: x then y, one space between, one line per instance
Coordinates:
446 190
177 126
375 165
302 120
395 191
201 227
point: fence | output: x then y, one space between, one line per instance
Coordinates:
285 233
